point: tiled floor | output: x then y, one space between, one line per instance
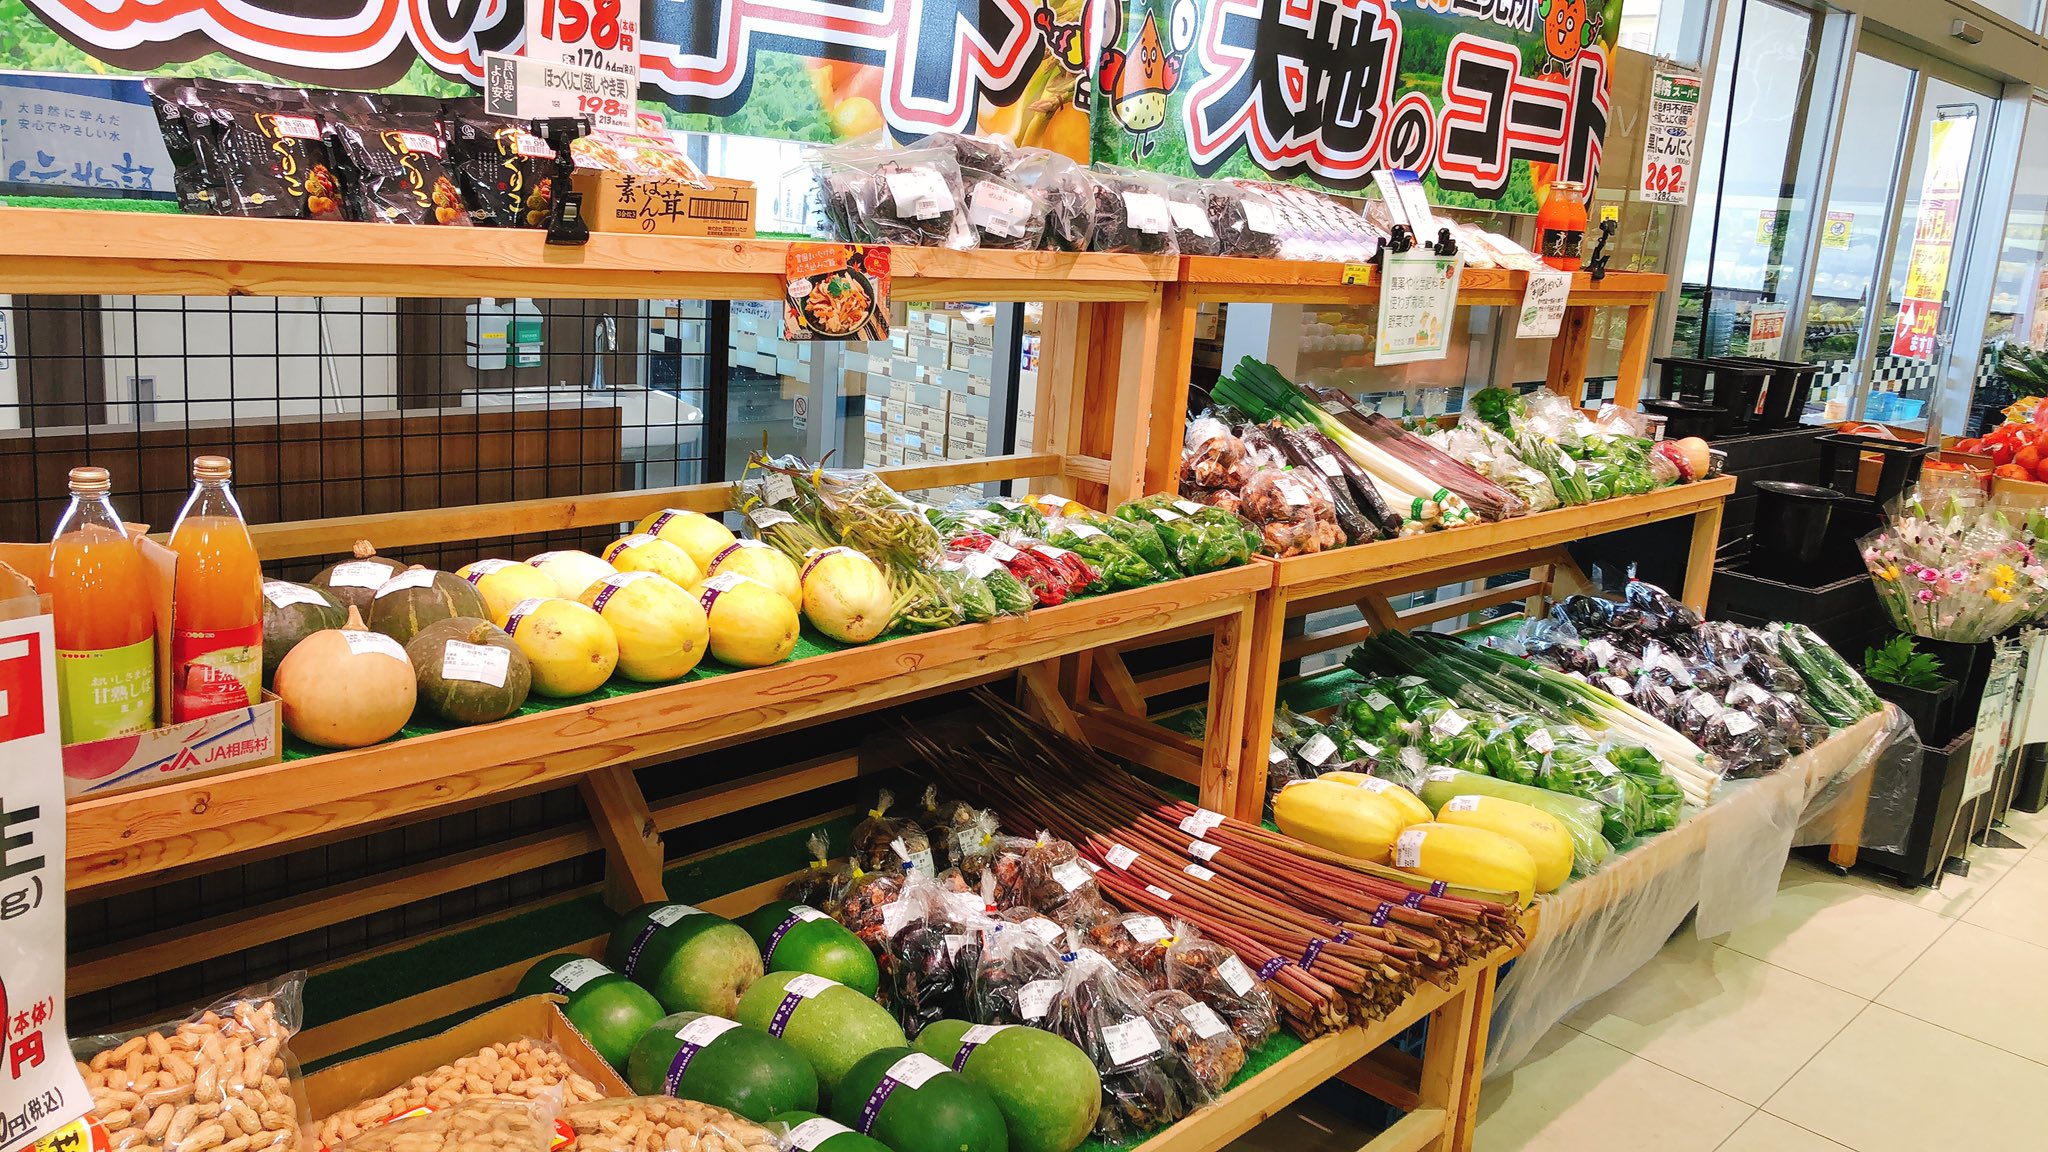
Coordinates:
1857 1016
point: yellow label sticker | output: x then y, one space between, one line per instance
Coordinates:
1610 212
1358 274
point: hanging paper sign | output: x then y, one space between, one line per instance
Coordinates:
1934 233
1417 299
603 35
1995 713
1837 230
1668 138
1767 329
836 292
40 1089
524 88
1543 305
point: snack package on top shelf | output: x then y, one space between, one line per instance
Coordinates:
976 155
505 172
1144 1085
1132 214
267 151
1017 978
395 154
1005 214
648 156
181 1085
478 1124
1193 232
1210 1052
665 1124
1066 190
1214 975
910 196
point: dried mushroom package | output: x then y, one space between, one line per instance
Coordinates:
270 153
1067 191
1132 214
910 196
221 1078
505 172
396 158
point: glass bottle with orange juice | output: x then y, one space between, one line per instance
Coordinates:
1561 226
105 625
216 600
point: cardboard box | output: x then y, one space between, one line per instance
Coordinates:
531 1017
613 202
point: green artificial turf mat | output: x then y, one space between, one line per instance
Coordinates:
91 203
1282 1045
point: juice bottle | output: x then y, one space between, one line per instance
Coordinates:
1561 226
106 629
216 602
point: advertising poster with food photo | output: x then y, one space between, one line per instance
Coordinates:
836 292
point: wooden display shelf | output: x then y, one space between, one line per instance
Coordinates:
1228 278
116 838
59 251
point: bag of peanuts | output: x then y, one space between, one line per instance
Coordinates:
523 1069
665 1124
221 1080
475 1125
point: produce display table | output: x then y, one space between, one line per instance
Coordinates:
1724 862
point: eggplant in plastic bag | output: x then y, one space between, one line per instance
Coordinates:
1018 976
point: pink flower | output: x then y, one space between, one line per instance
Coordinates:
1927 595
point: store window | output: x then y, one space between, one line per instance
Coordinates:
2019 297
1674 30
2025 13
1751 217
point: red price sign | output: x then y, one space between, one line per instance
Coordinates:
572 22
1666 178
600 34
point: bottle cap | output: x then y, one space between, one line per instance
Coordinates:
212 468
90 480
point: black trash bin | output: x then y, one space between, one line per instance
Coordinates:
1792 524
1785 393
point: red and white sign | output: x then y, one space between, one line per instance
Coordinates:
40 1089
599 34
1934 234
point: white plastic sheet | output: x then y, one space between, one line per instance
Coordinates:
1725 861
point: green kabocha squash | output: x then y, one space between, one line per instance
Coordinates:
418 597
469 671
355 581
292 612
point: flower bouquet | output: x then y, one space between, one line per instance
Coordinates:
1956 572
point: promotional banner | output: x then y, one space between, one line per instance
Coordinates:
1490 99
40 1089
1934 233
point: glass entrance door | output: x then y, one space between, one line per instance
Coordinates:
1928 129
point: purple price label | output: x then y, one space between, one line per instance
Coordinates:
783 1012
872 1110
684 1055
597 604
654 529
1379 914
1414 900
1309 954
1271 968
639 942
1438 888
776 936
1342 935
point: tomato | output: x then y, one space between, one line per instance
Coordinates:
2001 453
2012 472
2041 472
1970 444
2028 457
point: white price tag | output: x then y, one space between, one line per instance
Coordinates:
362 643
1740 723
1071 875
777 488
1036 999
1146 929
576 973
284 594
1463 804
1540 741
1328 466
1378 702
807 985
359 574
1450 724
704 1029
1130 1041
1408 849
1147 212
1120 857
1001 551
1236 976
1201 822
1259 216
920 193
1375 785
1190 218
979 565
997 209
1203 1018
1317 750
766 518
479 663
1044 929
1199 872
915 1069
1203 850
1167 515
807 1136
668 914
1616 686
1086 531
1187 506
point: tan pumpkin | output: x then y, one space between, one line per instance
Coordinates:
346 687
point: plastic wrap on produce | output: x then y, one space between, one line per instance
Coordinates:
1724 861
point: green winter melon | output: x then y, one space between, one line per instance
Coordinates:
691 960
292 612
694 1056
355 581
609 1010
1047 1088
793 938
929 1108
810 1132
469 671
418 597
828 1022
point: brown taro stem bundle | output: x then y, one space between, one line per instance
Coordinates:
1332 937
